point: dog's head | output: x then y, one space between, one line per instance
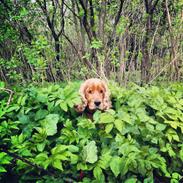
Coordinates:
95 95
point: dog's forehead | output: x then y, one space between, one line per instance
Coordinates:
95 85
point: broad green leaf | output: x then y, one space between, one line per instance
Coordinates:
176 176
172 135
160 127
108 128
57 164
149 180
74 158
73 148
119 125
106 118
41 157
41 114
59 149
41 146
115 165
97 172
50 124
125 165
64 156
42 97
2 169
122 115
131 180
104 160
2 155
63 106
2 84
82 166
90 152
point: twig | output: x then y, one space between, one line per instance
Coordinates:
154 36
9 92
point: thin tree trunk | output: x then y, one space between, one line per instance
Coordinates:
172 40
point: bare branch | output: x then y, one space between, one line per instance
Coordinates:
10 92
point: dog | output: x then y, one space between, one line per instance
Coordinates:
95 95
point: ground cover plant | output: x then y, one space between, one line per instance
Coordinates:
43 139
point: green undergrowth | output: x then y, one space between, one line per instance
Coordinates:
43 139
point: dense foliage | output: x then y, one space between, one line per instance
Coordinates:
125 40
43 139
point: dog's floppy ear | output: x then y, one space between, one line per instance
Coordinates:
81 107
107 100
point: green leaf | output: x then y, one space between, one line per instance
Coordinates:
90 152
73 148
41 146
106 118
2 84
96 44
74 158
119 125
115 165
125 165
59 149
50 124
108 128
176 176
131 180
64 106
41 114
2 169
172 135
104 160
57 164
122 115
98 174
160 127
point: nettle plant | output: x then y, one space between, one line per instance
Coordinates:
140 139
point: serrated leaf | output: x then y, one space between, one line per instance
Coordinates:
90 152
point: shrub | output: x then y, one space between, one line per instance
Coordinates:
140 139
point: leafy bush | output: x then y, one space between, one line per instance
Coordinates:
140 139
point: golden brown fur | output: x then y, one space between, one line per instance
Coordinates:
95 95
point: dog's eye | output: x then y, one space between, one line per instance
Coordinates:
101 91
90 91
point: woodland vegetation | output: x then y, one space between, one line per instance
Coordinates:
47 47
59 40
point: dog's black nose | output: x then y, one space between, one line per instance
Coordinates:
97 103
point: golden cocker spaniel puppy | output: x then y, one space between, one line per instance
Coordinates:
95 95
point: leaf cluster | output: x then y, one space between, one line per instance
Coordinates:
138 140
